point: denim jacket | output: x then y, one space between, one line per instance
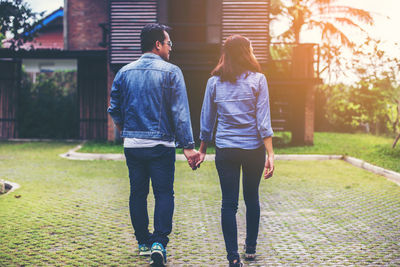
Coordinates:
149 101
241 109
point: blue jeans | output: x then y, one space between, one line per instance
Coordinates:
158 164
228 162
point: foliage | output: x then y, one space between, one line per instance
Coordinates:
48 107
373 101
326 16
281 58
2 37
17 18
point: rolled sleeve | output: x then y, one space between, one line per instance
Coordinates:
263 110
180 111
208 113
115 100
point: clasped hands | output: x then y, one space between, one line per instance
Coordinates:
194 158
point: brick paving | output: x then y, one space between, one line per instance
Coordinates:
75 213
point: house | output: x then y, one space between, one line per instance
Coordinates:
105 35
48 35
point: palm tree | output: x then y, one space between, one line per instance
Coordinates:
324 15
329 18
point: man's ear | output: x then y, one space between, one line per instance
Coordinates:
158 45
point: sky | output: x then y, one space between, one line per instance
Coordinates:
386 15
45 5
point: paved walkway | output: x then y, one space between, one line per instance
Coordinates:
75 213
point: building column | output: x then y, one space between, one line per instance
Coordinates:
303 96
111 132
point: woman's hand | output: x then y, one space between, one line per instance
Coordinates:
269 163
269 167
202 153
201 159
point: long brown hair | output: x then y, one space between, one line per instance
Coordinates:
237 58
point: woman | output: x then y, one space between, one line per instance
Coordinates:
237 94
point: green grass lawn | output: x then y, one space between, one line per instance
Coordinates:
373 149
75 213
376 150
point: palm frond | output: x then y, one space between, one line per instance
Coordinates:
321 2
277 7
330 31
287 36
348 22
312 23
351 12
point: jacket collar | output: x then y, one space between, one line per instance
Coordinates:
151 55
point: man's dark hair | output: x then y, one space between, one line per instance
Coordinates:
150 34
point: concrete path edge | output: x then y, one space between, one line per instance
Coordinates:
391 175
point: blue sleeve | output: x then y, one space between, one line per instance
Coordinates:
180 111
115 101
208 113
263 110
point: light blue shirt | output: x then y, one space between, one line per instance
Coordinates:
240 110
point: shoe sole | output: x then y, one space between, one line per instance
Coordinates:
145 253
157 259
249 257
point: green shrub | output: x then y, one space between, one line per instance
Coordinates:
48 107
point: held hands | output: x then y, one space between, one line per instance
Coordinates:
193 158
269 167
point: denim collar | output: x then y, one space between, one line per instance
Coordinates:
151 55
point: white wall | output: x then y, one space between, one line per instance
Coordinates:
49 65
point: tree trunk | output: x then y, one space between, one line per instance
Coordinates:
397 121
395 126
395 141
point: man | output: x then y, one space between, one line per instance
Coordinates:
149 106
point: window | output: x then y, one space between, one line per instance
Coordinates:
195 21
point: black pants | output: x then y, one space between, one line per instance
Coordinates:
228 162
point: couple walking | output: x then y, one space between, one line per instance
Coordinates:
149 107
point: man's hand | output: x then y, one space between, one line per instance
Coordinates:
192 157
269 167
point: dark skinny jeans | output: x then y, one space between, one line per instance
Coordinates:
228 162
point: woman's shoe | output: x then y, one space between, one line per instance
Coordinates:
250 253
235 263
